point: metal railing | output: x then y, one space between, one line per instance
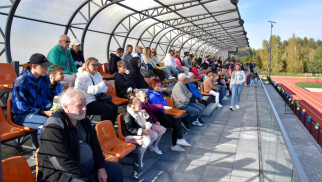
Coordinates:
279 160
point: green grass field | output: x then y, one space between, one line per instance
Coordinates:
309 85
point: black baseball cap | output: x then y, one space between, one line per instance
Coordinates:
40 60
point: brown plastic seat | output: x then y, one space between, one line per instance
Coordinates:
10 117
25 65
115 99
109 142
8 130
174 112
104 75
205 71
203 91
16 169
7 75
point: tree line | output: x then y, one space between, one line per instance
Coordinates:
295 55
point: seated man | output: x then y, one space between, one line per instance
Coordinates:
170 63
69 149
31 91
196 94
188 61
183 100
124 84
61 55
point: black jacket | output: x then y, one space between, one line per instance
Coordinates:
58 155
78 58
137 77
113 63
129 125
122 83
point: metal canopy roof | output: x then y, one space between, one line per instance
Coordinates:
199 26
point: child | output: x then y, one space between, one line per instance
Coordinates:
197 72
124 84
136 129
209 87
160 130
56 72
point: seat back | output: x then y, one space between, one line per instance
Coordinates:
106 67
9 113
121 136
170 101
100 69
114 89
25 65
16 169
105 133
7 74
203 90
110 89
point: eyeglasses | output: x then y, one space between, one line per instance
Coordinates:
152 52
95 65
67 41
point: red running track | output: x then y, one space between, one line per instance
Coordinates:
310 101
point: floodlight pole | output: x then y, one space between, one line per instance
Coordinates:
270 50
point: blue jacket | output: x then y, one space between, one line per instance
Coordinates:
156 98
193 89
30 94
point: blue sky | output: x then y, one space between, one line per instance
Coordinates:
301 17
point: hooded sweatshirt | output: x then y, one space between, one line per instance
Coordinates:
136 75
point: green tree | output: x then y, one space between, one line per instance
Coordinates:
316 64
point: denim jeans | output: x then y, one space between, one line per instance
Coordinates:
201 108
166 72
113 169
193 112
202 76
173 70
222 92
236 91
252 83
31 120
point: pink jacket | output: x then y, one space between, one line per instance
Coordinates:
178 62
195 71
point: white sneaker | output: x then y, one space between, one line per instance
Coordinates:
225 98
231 108
237 106
177 148
156 150
171 78
183 142
196 123
219 105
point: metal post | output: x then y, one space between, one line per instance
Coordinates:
270 50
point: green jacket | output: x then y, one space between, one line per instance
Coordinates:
57 56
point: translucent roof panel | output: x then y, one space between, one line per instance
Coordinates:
103 26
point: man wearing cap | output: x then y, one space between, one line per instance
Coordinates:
31 91
61 55
183 100
77 54
170 63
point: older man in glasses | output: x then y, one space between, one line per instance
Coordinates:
61 55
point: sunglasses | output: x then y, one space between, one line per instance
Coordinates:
67 41
152 52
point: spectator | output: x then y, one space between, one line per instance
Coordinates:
56 72
196 72
199 60
124 84
188 61
155 97
237 81
114 59
195 59
149 61
77 54
183 100
179 66
31 90
196 94
170 63
177 54
253 77
62 56
136 129
136 75
209 87
149 108
91 83
128 55
252 66
69 149
145 72
164 68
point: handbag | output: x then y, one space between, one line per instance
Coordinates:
102 97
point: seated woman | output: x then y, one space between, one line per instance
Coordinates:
180 67
149 108
196 72
136 75
91 83
124 84
155 97
209 87
136 129
147 58
164 68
